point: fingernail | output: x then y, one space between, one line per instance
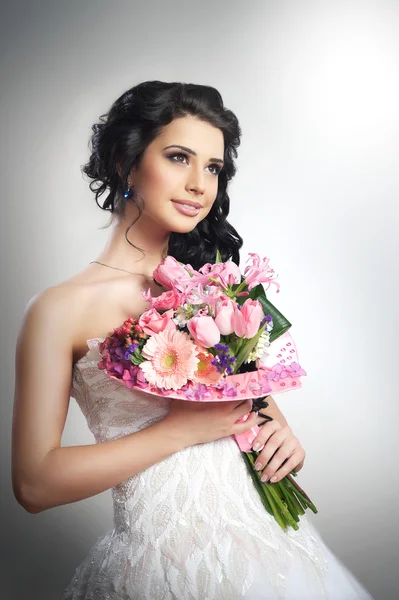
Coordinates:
258 466
273 479
264 478
256 446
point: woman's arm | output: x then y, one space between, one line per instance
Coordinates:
44 474
273 411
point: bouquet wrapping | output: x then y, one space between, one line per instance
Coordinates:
213 335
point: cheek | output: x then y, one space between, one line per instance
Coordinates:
160 179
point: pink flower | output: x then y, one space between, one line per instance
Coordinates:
239 325
169 299
172 359
227 387
204 330
226 273
169 272
206 373
247 320
259 272
152 322
224 317
197 392
211 295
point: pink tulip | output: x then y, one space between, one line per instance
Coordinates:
239 326
152 322
247 320
204 331
224 317
168 272
252 312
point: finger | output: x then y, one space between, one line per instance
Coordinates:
264 434
299 467
271 447
287 468
284 452
243 408
240 427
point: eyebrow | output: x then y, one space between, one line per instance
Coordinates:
218 160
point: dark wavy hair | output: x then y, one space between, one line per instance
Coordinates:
118 143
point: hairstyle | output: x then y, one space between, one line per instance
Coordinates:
118 143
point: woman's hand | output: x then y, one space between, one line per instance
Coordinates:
281 454
199 422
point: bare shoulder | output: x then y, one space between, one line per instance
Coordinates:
94 305
87 306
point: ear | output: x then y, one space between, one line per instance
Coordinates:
130 176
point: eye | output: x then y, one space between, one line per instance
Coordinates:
179 154
216 168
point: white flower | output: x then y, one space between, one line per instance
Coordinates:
261 347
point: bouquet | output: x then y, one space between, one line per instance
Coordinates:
211 336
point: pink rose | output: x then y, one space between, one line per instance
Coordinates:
224 317
169 299
247 320
152 322
204 331
168 271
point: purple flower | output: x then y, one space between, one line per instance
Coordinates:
197 392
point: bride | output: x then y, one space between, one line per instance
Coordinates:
188 523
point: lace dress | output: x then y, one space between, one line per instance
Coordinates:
192 527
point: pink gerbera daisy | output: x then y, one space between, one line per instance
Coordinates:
206 373
172 359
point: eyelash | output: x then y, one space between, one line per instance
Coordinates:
217 167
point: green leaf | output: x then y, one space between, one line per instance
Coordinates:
246 349
136 358
280 323
218 256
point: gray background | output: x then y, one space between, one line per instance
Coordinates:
315 87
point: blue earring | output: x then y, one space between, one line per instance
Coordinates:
129 192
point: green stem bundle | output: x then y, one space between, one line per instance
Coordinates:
285 500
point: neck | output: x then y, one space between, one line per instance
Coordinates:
119 253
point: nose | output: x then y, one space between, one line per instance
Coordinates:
196 182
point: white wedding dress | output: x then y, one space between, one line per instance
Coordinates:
192 527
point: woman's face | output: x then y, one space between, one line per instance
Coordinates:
181 165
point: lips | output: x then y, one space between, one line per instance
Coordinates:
188 203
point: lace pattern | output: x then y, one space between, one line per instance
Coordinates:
191 526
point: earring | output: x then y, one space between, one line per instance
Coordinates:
129 192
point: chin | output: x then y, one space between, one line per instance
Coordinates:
182 228
184 224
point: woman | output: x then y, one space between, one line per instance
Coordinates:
188 523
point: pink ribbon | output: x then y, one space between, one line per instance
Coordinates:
246 439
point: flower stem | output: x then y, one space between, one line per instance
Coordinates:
285 500
277 514
291 483
248 458
293 505
274 490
